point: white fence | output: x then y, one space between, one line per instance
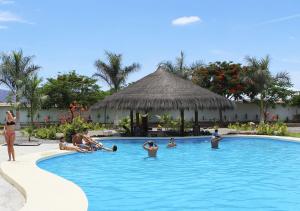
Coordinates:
242 112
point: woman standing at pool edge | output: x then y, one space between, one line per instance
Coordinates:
10 134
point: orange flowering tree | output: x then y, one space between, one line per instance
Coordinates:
224 78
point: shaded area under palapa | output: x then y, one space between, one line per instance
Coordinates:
162 90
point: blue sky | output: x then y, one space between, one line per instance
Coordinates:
66 35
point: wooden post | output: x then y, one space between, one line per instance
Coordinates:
131 123
221 117
145 124
105 116
137 119
196 126
182 122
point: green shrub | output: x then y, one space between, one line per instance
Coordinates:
68 129
46 133
277 129
245 127
125 122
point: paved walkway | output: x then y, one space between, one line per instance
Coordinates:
10 198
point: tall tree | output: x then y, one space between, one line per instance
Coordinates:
265 87
179 68
295 100
15 68
112 72
67 88
222 77
33 96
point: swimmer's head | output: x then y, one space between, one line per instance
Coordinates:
216 130
114 148
150 143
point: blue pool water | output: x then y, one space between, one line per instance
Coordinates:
244 174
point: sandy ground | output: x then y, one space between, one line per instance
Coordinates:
10 198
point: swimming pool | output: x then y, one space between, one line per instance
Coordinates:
244 174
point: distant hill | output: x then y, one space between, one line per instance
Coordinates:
3 95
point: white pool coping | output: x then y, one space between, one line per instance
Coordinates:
44 191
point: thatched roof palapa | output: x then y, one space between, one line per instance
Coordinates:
163 90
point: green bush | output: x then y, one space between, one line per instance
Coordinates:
45 133
244 127
68 129
277 129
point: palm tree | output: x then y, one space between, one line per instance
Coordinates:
260 78
112 72
14 69
33 96
179 68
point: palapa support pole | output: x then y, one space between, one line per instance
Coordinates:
105 116
182 122
221 117
196 126
137 119
131 123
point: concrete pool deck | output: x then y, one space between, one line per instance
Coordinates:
43 190
10 198
16 195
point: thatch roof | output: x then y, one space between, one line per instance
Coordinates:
163 90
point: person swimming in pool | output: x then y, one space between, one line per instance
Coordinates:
215 139
171 143
152 148
114 148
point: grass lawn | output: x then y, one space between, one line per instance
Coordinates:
294 135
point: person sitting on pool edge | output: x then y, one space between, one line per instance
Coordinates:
215 139
64 146
84 141
78 141
171 143
95 145
151 148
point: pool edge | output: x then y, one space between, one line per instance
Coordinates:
41 189
29 179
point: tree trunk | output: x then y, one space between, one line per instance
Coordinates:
261 108
18 125
31 116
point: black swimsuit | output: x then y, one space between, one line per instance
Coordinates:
10 123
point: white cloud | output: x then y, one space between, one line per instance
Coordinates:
185 20
6 16
281 19
3 27
6 2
